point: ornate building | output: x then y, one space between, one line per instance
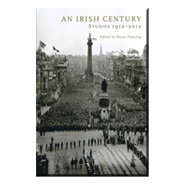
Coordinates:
132 70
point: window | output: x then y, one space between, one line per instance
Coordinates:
143 95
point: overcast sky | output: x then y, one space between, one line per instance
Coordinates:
71 37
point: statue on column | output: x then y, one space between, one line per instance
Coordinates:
104 86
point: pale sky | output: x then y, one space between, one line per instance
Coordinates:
71 37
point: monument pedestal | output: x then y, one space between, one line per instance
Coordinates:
89 77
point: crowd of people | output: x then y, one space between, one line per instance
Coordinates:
131 146
134 94
71 144
42 161
71 111
90 164
41 165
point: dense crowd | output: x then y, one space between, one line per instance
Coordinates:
71 111
132 118
68 116
135 95
139 154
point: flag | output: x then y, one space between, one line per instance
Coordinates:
109 53
55 49
42 45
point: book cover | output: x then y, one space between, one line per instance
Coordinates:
92 92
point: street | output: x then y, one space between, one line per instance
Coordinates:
112 160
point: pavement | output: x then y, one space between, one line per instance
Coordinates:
113 160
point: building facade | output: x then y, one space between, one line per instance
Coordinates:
132 70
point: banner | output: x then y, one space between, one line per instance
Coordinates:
55 49
42 45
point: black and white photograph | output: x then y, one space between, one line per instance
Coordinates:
92 92
95 89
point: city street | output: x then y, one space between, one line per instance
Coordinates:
112 160
88 106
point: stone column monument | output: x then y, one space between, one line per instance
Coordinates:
89 59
